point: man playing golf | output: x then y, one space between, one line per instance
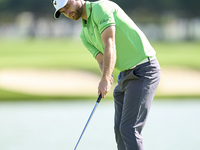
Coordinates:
116 42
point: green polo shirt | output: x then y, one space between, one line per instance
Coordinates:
132 45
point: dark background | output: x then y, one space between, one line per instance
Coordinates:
142 10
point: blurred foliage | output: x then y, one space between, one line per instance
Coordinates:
138 8
179 7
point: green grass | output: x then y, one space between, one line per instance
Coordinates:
71 54
66 53
43 53
182 54
6 95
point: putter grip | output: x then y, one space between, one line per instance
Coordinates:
99 98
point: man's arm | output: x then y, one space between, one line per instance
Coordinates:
99 59
107 60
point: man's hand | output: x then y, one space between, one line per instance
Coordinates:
104 86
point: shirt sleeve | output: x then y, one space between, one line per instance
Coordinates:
92 49
103 17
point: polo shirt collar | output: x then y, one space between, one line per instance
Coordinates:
88 6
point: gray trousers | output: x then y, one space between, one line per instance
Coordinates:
133 97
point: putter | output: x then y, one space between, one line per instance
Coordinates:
97 102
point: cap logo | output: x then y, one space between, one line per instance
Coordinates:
54 2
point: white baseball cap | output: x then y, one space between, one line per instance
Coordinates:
58 4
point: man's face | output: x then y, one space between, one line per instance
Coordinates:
73 9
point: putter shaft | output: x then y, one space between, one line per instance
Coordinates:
97 102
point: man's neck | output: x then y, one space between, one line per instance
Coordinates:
84 14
